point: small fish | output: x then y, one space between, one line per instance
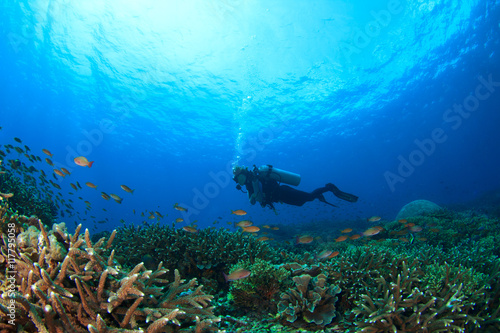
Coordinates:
105 196
341 238
324 254
334 254
179 208
262 239
402 221
127 189
306 239
239 212
190 229
73 186
251 229
89 184
157 214
65 171
18 140
49 162
416 228
275 228
45 151
59 173
371 231
266 226
354 237
179 219
6 195
238 274
346 231
78 184
374 219
117 198
82 161
244 223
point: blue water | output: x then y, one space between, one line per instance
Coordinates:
166 97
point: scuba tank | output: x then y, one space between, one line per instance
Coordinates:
279 175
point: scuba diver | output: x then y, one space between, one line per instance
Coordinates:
264 186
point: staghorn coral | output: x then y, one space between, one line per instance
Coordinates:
85 291
313 301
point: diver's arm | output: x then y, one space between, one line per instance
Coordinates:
256 193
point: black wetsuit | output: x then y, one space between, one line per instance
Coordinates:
274 192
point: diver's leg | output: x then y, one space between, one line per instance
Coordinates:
291 196
339 194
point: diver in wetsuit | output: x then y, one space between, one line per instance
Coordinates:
264 186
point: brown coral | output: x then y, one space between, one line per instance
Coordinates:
64 284
312 301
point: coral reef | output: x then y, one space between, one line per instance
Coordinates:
65 284
417 207
27 200
313 301
204 254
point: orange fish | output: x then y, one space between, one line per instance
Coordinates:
127 189
402 221
251 229
59 173
105 196
6 195
82 161
416 228
374 219
179 208
244 223
89 184
306 239
238 274
190 229
65 171
239 212
117 198
371 232
346 231
334 254
179 219
409 225
275 228
262 238
47 152
353 237
266 226
49 162
74 186
341 238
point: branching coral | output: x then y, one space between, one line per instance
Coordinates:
313 301
204 254
64 284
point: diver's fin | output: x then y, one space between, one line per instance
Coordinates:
341 195
322 199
